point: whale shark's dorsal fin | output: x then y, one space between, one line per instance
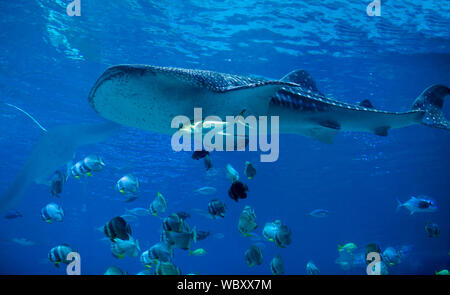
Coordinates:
302 78
366 103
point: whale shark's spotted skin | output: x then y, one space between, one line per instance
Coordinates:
214 81
300 99
148 97
295 97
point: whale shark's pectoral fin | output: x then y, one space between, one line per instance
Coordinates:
320 133
330 124
366 103
382 130
302 78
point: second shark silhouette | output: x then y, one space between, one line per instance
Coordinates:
55 148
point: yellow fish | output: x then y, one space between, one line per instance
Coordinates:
198 252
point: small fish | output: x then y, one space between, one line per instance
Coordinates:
201 235
249 170
129 186
58 254
181 240
167 268
144 272
159 205
159 252
93 163
117 227
277 265
12 214
57 183
421 204
247 221
391 256
217 208
78 170
23 242
86 166
52 212
349 247
443 272
278 233
129 247
319 213
138 211
206 190
197 155
208 162
238 190
432 230
175 223
232 174
253 256
198 252
311 269
114 271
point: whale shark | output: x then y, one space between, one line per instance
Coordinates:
55 148
149 97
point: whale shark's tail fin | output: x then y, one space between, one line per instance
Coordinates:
431 101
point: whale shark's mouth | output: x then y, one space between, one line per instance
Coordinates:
149 97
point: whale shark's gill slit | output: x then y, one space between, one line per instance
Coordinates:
28 115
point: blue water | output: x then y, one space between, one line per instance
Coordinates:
49 61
